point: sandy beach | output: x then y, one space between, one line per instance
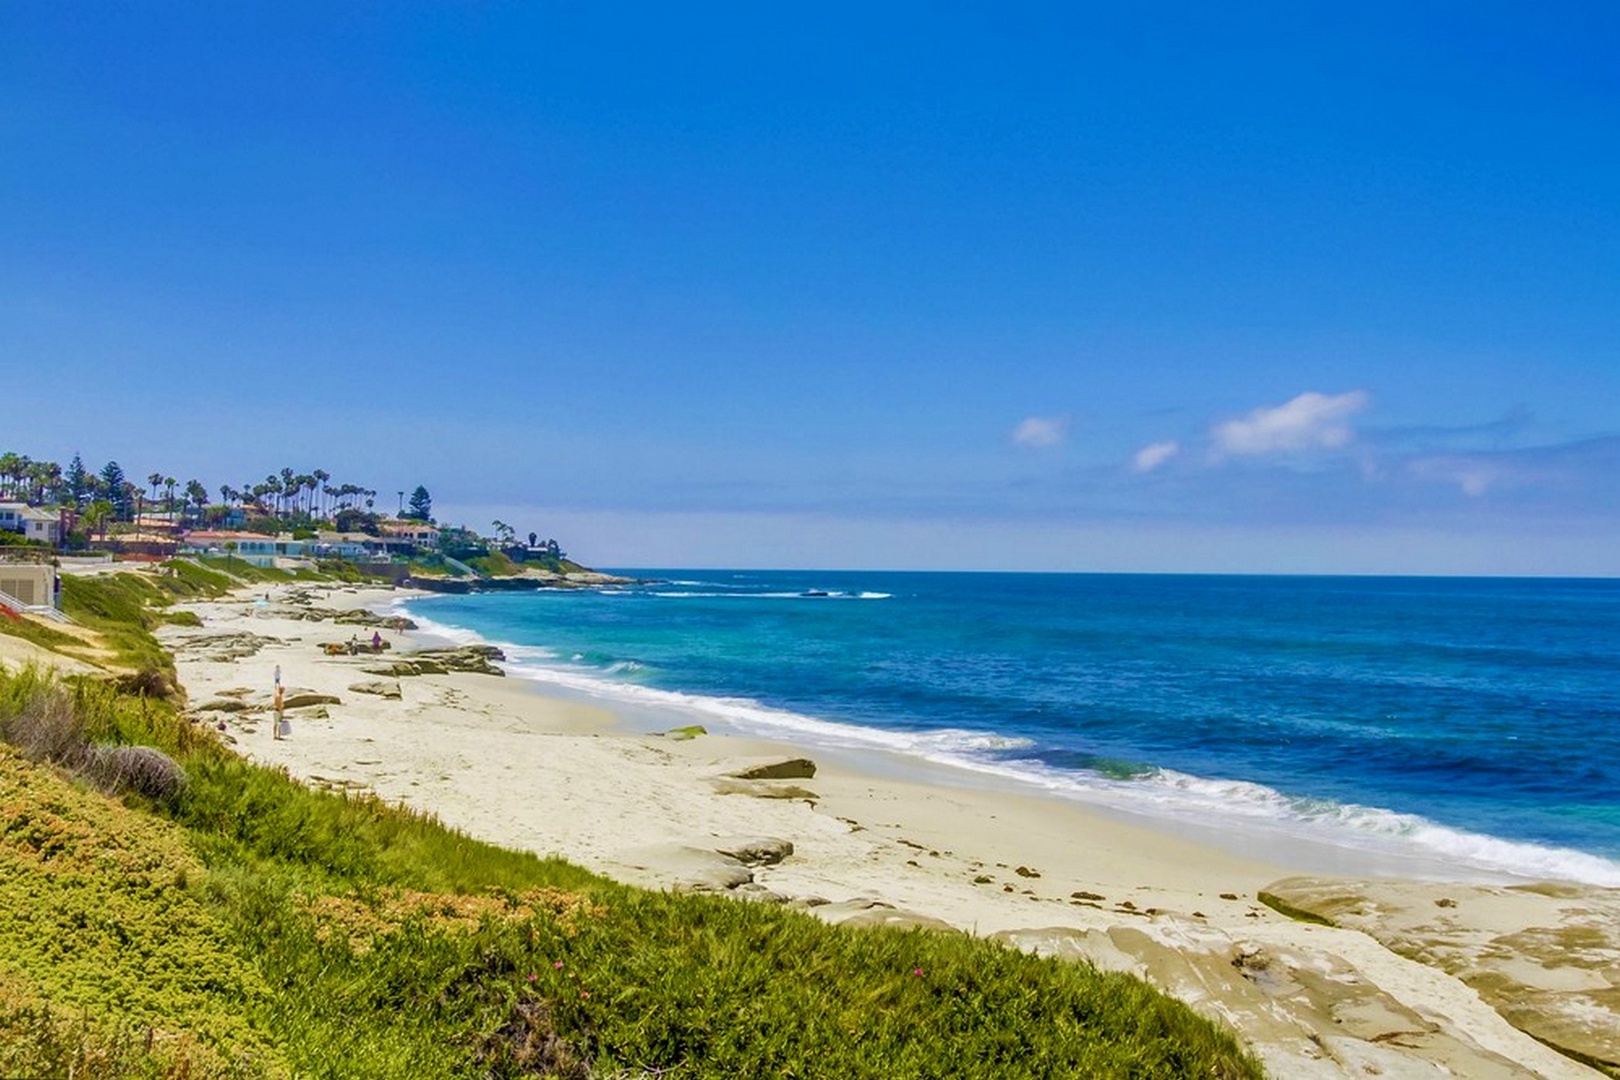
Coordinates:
496 757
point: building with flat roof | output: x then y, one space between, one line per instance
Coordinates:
255 549
28 586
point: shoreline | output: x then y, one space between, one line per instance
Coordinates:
503 760
1306 845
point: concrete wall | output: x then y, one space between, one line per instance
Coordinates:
32 583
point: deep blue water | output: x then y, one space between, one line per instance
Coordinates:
1477 720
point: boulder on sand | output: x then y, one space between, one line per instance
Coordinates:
679 866
298 697
477 659
772 769
755 851
383 688
761 789
869 911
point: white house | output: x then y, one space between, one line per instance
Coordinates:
255 549
32 522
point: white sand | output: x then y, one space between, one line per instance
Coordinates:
505 763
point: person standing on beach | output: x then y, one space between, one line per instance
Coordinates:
278 722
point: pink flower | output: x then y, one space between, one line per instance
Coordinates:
531 976
557 965
916 971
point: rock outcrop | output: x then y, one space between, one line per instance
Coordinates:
300 697
1312 1015
773 769
477 659
383 688
1546 957
756 851
762 789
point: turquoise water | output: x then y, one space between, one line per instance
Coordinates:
1472 721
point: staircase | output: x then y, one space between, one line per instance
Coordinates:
45 611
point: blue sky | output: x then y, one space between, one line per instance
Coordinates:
1137 287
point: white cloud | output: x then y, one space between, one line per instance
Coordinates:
1308 422
1153 455
1039 432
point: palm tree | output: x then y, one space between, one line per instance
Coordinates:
197 495
48 482
321 476
95 516
168 493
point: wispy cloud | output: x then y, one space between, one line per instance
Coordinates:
1153 455
1311 421
1040 432
1472 475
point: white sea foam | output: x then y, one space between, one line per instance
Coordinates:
813 594
1163 793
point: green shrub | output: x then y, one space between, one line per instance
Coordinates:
261 927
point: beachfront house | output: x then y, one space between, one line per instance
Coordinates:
31 522
255 549
409 537
355 547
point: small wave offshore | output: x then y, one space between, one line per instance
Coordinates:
1164 794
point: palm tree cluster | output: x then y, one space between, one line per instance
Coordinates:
24 480
288 495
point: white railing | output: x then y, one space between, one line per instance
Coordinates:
44 611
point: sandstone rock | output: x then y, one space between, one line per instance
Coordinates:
1308 1015
1546 957
383 688
226 705
362 617
762 789
682 867
221 648
774 769
301 696
400 669
757 851
473 658
753 890
866 911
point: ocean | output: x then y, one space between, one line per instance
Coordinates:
1469 726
